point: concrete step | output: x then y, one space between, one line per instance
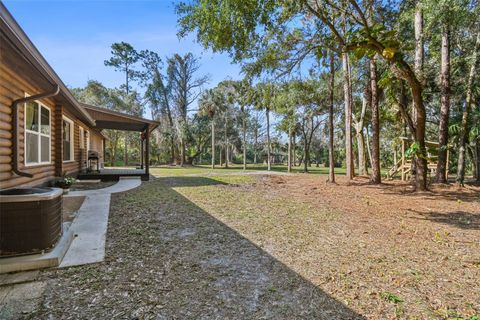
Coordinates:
39 261
8 279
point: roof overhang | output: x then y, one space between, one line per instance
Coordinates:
109 119
17 38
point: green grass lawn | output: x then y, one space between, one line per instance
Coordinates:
204 169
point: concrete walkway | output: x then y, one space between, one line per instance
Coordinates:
90 226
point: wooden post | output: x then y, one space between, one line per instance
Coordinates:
104 144
403 160
147 152
58 140
141 152
395 157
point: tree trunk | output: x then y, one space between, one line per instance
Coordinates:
401 68
444 105
420 158
362 157
289 158
418 67
182 152
227 156
420 120
403 71
294 149
472 155
348 116
113 153
419 45
419 48
244 127
358 125
331 155
226 141
172 128
464 130
376 177
220 156
172 142
477 152
305 155
267 113
112 159
126 77
255 143
369 152
126 149
213 143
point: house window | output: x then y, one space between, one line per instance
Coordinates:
37 133
82 138
67 139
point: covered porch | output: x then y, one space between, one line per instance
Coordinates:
109 119
113 174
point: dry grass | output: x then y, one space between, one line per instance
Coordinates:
279 247
361 243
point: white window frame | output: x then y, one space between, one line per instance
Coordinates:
87 135
72 135
39 134
81 133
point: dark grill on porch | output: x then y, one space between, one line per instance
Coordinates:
93 161
92 155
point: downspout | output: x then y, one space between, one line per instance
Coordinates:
16 135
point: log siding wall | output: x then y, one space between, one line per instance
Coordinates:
12 87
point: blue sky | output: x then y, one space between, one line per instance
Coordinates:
75 36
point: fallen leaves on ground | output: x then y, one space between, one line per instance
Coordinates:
279 247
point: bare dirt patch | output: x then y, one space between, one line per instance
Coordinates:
70 205
81 186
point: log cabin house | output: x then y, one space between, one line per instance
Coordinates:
44 131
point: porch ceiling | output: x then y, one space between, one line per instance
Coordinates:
109 119
126 126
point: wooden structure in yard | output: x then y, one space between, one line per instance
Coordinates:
403 166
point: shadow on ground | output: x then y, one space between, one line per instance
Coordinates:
185 181
436 191
169 259
458 219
